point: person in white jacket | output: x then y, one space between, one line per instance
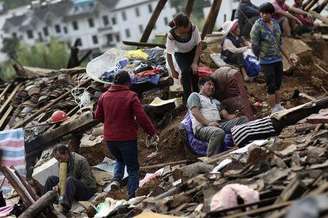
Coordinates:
233 46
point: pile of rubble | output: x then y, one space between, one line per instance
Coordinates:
271 178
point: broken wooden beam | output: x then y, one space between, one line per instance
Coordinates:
45 108
320 7
261 210
4 91
18 186
211 18
5 116
152 21
9 98
42 203
309 6
321 68
305 4
26 185
157 166
144 44
189 6
317 119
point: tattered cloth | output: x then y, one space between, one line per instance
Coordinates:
12 152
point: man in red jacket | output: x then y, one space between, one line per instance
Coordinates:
121 111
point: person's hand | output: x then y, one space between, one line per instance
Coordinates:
194 68
292 59
214 124
175 74
56 188
299 22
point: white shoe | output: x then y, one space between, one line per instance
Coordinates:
280 107
275 109
113 186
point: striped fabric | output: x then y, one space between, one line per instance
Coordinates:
253 130
13 152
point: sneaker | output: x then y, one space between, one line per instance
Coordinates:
280 107
275 109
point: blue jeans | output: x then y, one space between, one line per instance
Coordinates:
126 154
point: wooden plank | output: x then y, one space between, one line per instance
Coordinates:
261 210
144 44
5 116
189 6
308 7
26 185
211 18
152 21
10 97
321 7
45 108
4 91
320 68
156 166
18 186
305 4
43 202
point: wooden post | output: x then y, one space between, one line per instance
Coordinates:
5 116
43 202
322 6
189 6
211 18
11 96
307 8
305 4
18 186
45 108
152 20
4 91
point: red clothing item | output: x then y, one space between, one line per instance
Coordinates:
120 110
279 7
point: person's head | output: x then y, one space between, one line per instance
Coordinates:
235 28
61 153
181 24
206 86
122 78
298 2
266 11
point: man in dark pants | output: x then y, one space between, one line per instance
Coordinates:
121 111
80 183
247 14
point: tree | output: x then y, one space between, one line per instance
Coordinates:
10 46
53 55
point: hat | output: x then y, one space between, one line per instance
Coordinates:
228 25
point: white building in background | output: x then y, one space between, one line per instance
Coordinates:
98 24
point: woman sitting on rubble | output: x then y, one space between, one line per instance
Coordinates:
233 46
184 42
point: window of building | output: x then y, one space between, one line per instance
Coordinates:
141 28
150 8
79 39
127 33
91 22
109 38
225 18
29 34
113 20
166 21
118 37
65 30
137 11
123 15
57 28
105 20
75 25
14 35
95 39
45 31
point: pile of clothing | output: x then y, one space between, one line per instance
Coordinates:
144 66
